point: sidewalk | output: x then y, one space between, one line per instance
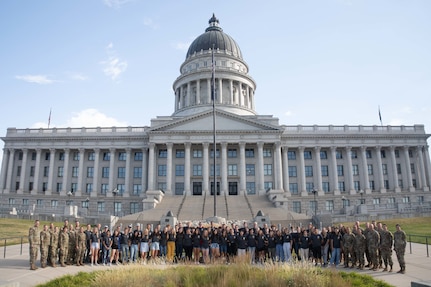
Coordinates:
14 270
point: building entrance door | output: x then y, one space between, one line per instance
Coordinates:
197 188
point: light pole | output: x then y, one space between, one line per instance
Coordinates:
361 192
87 205
315 202
69 194
115 192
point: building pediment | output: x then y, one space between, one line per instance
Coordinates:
225 121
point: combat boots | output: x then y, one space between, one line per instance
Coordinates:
390 270
33 267
385 269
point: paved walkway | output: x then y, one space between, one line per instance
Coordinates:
14 269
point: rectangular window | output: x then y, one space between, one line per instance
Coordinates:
73 187
121 172
122 156
376 201
45 171
370 169
251 188
267 169
74 171
354 154
104 188
400 183
386 183
138 156
75 156
391 200
197 153
31 170
385 169
180 153
293 187
18 171
368 154
101 206
30 185
106 156
356 185
340 170
59 186
249 152
232 170
233 188
161 170
217 153
179 188
60 171
267 152
179 170
292 171
329 205
291 155
249 169
398 168
161 185
410 153
371 185
355 169
325 170
137 172
47 156
414 183
325 186
232 153
134 207
121 188
383 154
137 189
44 186
163 153
91 156
267 185
308 170
307 154
406 199
341 186
11 201
197 170
309 186
323 155
420 199
296 206
33 156
89 188
90 172
54 203
217 170
412 167
105 172
39 202
338 154
397 153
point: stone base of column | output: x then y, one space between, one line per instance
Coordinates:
412 188
397 189
352 192
126 194
93 193
383 190
6 191
19 191
304 193
287 193
63 193
78 193
48 192
320 193
426 188
337 192
367 191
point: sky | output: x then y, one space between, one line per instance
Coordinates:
109 63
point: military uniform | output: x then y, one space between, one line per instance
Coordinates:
63 244
400 243
373 241
53 247
45 240
386 240
360 244
72 247
34 244
348 244
81 247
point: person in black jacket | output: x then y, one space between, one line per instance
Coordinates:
188 244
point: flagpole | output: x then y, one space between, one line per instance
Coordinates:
214 130
380 117
49 117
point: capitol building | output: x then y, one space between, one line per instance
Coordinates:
173 165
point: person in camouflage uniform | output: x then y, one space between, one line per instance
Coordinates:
63 245
379 229
81 246
367 253
72 246
400 242
348 245
373 240
45 240
53 246
34 244
360 244
386 240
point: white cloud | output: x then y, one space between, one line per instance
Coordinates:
148 22
113 66
182 46
115 3
288 114
37 79
78 77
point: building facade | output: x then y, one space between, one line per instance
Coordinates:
123 170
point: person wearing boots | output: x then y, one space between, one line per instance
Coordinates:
34 243
400 242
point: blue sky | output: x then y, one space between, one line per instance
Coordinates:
113 62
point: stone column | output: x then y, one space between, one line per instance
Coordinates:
252 99
10 170
144 178
240 96
187 168
37 172
209 101
423 180
366 178
181 103
408 169
318 168
169 168
427 165
65 183
4 169
22 178
394 170
188 95
349 170
127 181
231 101
301 172
223 168
205 173
81 172
260 176
278 168
286 170
198 92
151 167
380 183
334 170
220 90
96 173
112 172
51 187
242 172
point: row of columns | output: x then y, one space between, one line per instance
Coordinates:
237 96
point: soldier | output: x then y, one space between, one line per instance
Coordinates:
367 253
53 246
360 244
45 240
63 244
373 239
379 229
81 246
348 244
34 243
400 243
386 240
72 246
88 243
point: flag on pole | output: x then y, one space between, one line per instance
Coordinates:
380 117
49 117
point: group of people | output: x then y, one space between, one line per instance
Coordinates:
72 244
